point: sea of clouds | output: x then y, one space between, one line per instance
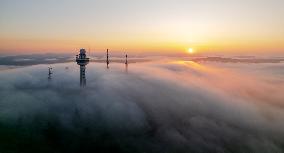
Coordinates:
159 107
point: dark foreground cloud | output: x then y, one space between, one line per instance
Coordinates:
153 107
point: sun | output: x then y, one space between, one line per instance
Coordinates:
190 50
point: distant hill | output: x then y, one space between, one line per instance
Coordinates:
239 60
24 60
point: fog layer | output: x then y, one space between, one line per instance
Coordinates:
148 107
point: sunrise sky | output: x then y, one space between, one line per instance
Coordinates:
160 26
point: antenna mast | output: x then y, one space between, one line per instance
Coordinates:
107 58
126 60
